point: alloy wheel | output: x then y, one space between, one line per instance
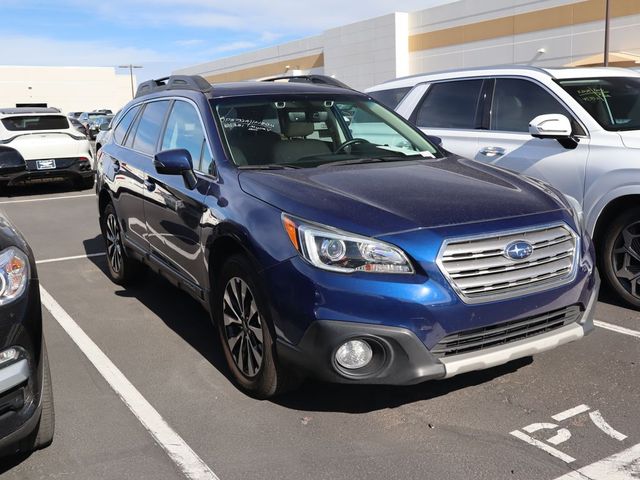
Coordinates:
243 327
626 258
114 244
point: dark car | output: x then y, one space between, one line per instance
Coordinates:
319 253
96 124
26 396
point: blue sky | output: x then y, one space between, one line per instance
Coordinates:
164 35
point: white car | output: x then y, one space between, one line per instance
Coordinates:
577 129
51 148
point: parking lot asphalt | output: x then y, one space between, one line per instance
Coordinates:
495 424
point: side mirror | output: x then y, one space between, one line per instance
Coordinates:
550 126
11 161
554 126
176 162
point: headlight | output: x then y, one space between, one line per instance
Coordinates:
338 251
14 274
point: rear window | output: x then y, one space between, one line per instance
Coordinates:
35 122
390 98
450 105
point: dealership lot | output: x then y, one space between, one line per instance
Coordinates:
544 418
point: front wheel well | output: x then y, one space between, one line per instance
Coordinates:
222 249
610 212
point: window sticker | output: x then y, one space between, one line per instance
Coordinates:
593 94
248 124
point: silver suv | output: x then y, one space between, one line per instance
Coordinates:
577 129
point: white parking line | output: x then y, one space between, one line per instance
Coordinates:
47 198
621 466
75 257
179 452
616 328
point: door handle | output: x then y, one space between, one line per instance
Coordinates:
492 151
149 185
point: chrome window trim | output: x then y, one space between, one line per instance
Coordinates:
517 291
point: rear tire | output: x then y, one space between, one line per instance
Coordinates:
619 256
241 312
123 270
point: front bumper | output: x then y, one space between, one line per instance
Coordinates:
21 381
404 360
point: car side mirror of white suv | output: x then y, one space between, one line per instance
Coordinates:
554 126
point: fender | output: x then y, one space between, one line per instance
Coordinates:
592 215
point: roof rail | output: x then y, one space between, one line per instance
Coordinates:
312 78
174 82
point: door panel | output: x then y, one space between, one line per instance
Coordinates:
546 160
173 215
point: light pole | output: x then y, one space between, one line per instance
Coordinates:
606 32
130 67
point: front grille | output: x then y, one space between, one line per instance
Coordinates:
507 332
479 270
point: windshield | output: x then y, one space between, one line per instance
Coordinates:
35 122
310 132
613 102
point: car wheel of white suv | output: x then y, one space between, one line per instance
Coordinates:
620 256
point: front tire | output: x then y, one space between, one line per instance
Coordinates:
123 270
46 425
242 317
620 256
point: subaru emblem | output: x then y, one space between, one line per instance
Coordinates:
518 250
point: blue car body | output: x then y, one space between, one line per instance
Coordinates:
416 205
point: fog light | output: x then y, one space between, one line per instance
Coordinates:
354 354
8 355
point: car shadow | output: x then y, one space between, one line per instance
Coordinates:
11 461
191 322
180 312
42 189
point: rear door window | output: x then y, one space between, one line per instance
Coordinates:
517 101
121 130
28 123
149 126
450 105
390 98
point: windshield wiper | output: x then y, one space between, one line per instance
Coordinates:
353 161
270 166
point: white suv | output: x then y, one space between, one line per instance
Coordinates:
577 129
50 147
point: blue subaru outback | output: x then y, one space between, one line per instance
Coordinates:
329 238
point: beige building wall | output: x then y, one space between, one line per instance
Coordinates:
464 33
67 88
554 33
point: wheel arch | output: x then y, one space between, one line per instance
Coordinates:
103 200
609 211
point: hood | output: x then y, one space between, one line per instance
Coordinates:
630 138
381 198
